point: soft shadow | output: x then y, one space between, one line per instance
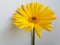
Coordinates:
11 31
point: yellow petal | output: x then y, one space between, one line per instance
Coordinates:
47 12
51 18
32 7
38 30
16 15
48 18
29 27
17 24
20 20
43 22
22 26
40 8
25 9
39 34
29 9
22 12
36 8
47 27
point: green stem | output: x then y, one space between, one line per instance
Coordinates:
33 43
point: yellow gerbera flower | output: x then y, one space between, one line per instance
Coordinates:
34 15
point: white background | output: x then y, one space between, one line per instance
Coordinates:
11 35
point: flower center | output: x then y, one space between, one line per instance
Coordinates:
33 18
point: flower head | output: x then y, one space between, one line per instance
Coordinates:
34 15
